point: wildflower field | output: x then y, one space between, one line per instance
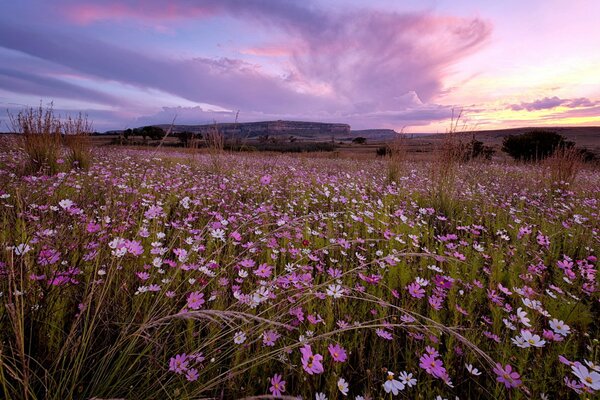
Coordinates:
159 275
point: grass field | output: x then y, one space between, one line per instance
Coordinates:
173 275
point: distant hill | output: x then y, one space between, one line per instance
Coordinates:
583 136
375 134
251 130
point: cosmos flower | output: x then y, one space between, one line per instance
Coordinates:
392 385
560 327
179 363
590 379
507 376
337 353
311 362
342 386
277 385
239 337
195 300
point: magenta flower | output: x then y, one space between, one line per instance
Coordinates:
507 376
382 333
265 180
415 290
269 338
195 300
179 363
191 374
311 362
337 353
432 365
277 385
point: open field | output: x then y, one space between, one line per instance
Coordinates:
164 274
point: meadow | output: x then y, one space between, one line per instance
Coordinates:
170 275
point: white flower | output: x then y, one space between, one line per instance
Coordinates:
407 379
509 324
522 315
22 249
589 379
593 366
218 234
343 386
335 291
239 337
185 202
392 385
528 339
65 204
560 327
472 371
422 282
320 396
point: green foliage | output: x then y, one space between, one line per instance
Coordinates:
475 149
534 145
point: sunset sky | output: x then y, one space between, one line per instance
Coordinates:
372 64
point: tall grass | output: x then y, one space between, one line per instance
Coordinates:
563 166
446 163
76 131
397 157
215 143
40 132
87 324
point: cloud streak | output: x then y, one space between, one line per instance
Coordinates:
372 64
547 103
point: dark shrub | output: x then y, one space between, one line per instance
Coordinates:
534 145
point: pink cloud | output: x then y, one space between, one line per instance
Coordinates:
268 50
87 13
372 65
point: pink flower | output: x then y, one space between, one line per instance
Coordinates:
432 365
269 338
134 247
415 290
263 271
191 374
337 353
383 334
195 300
277 385
179 363
311 363
154 212
507 376
265 180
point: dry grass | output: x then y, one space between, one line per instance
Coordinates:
215 143
563 166
40 133
397 157
76 133
444 167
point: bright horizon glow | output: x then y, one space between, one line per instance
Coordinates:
372 64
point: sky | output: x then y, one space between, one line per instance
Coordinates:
409 65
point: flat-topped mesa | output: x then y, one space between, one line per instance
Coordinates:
271 128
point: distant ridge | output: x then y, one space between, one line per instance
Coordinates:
298 129
583 136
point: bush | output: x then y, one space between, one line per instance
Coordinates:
359 140
475 150
534 145
383 151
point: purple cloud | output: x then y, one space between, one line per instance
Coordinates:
339 64
552 102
